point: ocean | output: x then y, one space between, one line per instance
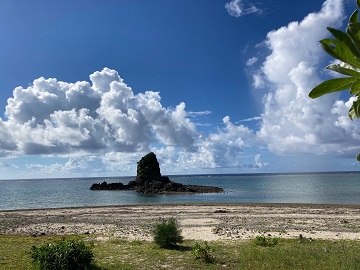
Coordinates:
313 188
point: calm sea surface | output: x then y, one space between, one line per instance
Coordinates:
325 188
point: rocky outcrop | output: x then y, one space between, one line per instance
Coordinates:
111 186
148 169
169 187
157 187
150 181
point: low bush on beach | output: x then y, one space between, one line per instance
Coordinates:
167 233
204 253
63 255
264 241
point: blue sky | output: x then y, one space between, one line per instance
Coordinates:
89 87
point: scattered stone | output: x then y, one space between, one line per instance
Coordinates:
220 211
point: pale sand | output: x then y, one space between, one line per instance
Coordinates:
204 221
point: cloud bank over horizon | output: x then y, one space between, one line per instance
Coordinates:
104 126
104 123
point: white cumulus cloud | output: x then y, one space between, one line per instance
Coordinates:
51 117
103 126
292 123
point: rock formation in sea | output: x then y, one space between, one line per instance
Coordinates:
150 181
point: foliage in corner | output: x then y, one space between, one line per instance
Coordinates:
63 255
167 233
345 46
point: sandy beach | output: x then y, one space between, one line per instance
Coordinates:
197 221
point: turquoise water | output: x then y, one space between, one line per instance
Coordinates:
325 188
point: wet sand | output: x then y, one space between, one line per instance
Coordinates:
205 221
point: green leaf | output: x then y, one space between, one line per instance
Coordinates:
332 85
340 35
352 113
358 3
346 69
339 50
354 18
355 109
353 31
355 87
356 106
358 157
344 37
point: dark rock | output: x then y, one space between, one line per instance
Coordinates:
148 168
150 181
132 184
106 186
220 211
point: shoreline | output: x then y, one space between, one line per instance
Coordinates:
262 204
199 221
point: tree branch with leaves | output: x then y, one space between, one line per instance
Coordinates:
345 47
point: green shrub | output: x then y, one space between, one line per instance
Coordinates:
204 253
167 233
63 255
261 240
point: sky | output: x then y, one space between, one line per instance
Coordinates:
89 87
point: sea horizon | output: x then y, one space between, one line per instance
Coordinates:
188 175
308 188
